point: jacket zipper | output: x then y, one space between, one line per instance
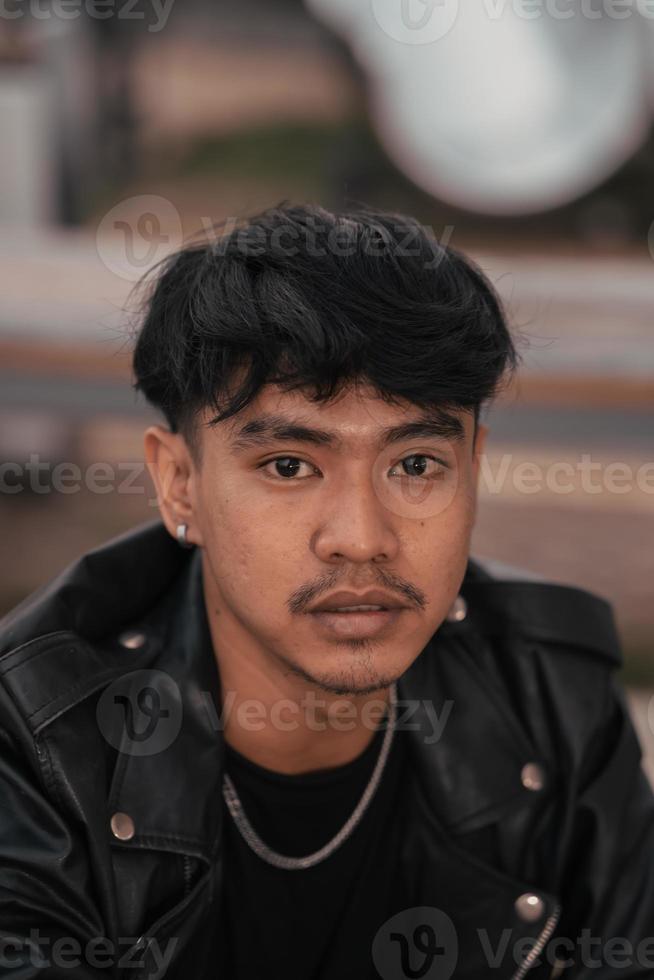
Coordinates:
539 945
187 874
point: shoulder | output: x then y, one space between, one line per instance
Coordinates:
548 650
553 646
508 601
76 634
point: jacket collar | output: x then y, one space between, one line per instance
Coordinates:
142 583
470 773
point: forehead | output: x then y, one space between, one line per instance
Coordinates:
357 417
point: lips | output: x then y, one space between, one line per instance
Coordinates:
356 615
356 609
374 600
357 624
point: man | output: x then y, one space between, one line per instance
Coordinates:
294 729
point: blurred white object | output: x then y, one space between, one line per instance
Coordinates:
648 40
501 107
27 178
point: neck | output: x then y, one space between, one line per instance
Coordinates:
296 729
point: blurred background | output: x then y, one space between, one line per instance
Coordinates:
519 132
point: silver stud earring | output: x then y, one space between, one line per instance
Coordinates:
458 610
181 536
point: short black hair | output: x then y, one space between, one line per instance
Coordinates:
309 299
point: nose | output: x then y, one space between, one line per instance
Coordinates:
355 526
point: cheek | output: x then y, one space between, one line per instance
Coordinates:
252 552
438 549
448 530
456 522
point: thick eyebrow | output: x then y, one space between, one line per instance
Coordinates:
278 428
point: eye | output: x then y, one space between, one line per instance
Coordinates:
416 466
287 467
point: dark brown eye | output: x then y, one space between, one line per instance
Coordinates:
415 465
287 465
418 465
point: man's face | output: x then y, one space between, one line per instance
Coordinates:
296 501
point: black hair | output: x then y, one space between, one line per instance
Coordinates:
308 299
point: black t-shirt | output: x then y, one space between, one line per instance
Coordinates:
319 922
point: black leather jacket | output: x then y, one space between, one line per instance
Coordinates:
532 823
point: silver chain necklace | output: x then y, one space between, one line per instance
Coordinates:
251 837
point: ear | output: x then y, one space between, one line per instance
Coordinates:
479 443
478 451
172 471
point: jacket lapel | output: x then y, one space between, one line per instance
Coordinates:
173 794
468 749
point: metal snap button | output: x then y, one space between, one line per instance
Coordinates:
532 776
122 826
529 907
132 639
458 610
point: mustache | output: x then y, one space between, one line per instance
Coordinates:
310 593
